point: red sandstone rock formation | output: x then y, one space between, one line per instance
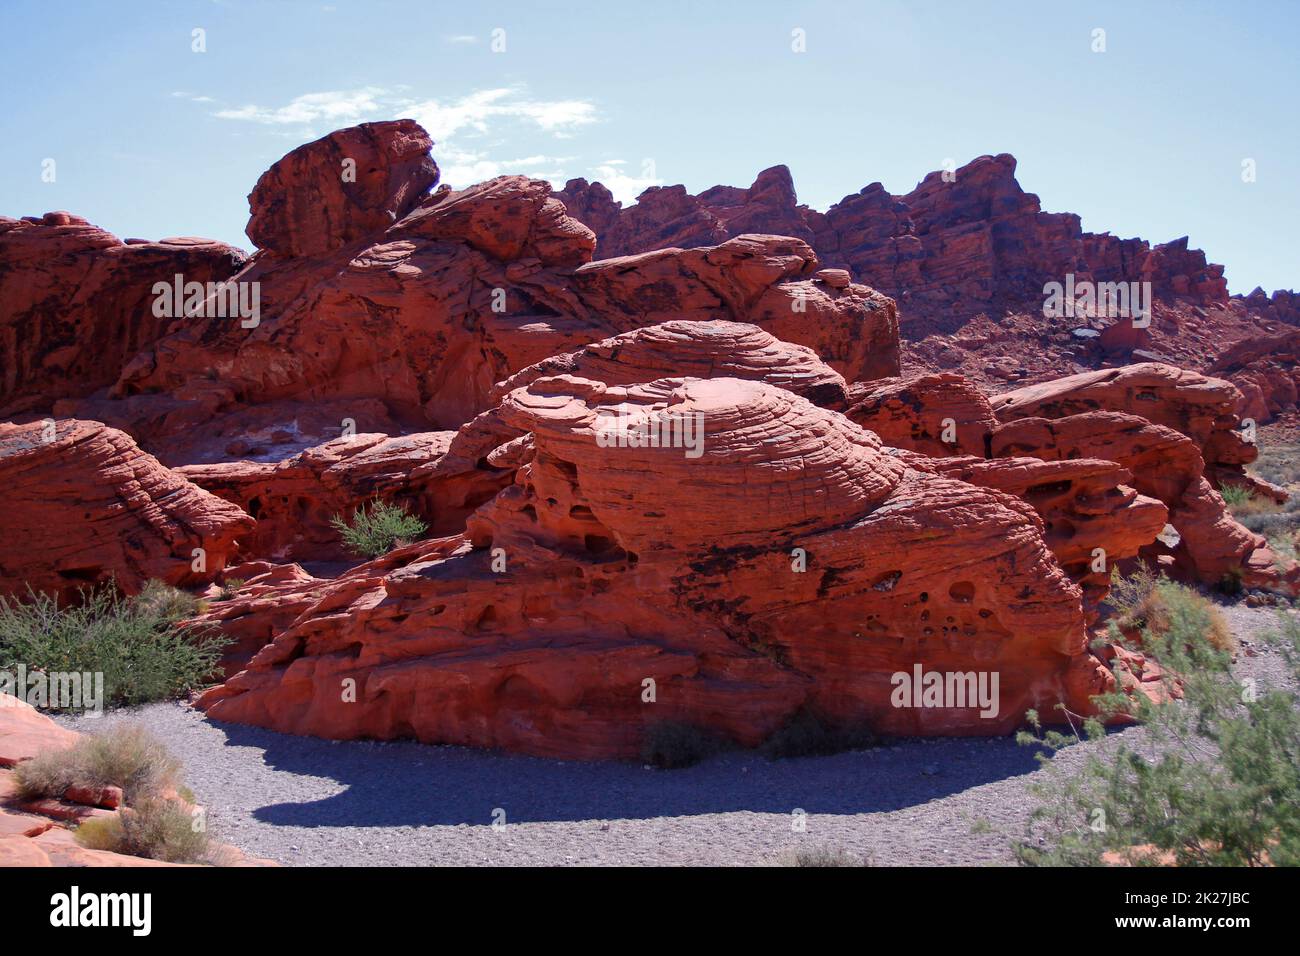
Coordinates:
964 241
76 303
606 580
426 313
84 504
293 500
350 184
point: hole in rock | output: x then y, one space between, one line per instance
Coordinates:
487 619
254 507
963 592
597 543
886 581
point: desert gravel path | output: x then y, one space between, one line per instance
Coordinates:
309 802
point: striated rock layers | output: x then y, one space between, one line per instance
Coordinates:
581 585
76 303
965 241
84 504
380 292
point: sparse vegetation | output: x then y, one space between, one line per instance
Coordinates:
156 822
230 588
670 745
156 829
1146 602
822 856
1215 780
807 735
142 645
124 756
1279 523
376 531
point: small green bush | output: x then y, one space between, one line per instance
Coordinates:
1146 602
374 532
230 588
125 756
141 644
670 745
1235 496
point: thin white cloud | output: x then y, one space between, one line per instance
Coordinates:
462 38
338 106
459 126
625 187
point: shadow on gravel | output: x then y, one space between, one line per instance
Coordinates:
410 784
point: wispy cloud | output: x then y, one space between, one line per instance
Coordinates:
468 130
461 38
337 106
621 183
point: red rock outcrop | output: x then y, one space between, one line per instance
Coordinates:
1093 519
937 415
293 500
426 313
85 504
350 184
964 241
1166 465
537 628
76 303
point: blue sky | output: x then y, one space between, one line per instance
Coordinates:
152 139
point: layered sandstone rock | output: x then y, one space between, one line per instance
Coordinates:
294 500
86 505
426 313
537 629
1167 465
1093 518
964 241
76 303
938 415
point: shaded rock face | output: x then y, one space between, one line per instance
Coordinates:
85 504
294 500
76 303
342 187
966 241
607 581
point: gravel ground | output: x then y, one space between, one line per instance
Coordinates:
307 802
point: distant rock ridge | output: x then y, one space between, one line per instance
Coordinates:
962 242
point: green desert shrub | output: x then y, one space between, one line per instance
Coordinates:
673 744
1213 779
142 645
125 756
375 531
1145 601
